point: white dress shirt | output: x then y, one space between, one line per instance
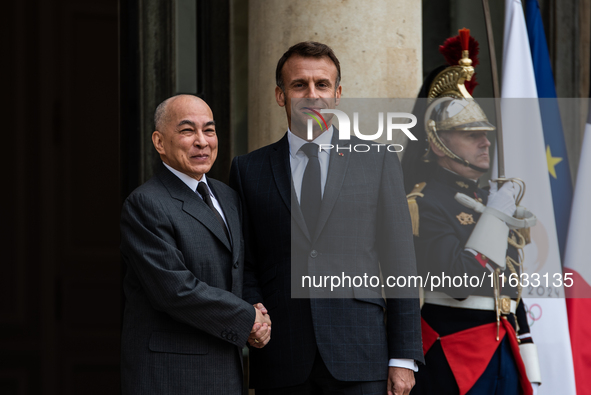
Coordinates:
298 162
193 183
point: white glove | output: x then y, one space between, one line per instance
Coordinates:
503 200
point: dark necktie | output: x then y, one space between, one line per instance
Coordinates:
311 195
204 192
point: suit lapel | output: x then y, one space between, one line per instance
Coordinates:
193 204
232 219
337 169
281 169
296 214
282 175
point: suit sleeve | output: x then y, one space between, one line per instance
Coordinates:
251 292
149 248
397 258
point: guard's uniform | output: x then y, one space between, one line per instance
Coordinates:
461 351
466 309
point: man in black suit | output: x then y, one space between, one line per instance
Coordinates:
309 210
185 323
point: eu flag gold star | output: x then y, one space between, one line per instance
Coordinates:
552 161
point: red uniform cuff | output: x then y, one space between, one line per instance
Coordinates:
481 259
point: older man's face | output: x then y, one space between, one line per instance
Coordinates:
188 142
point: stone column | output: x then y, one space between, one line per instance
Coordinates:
378 43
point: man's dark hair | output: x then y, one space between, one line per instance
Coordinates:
307 49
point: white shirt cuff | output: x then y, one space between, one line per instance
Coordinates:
404 363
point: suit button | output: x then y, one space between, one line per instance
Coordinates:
235 338
314 253
235 265
224 333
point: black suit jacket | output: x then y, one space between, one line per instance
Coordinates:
364 222
184 323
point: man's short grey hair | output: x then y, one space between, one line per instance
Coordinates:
160 114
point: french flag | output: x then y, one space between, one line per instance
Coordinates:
576 262
526 157
573 248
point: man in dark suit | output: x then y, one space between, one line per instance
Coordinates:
185 323
313 211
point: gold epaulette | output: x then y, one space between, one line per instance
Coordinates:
413 207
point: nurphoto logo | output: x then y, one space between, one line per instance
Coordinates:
345 129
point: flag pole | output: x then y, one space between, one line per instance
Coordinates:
496 93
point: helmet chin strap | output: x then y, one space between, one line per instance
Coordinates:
464 162
433 137
436 140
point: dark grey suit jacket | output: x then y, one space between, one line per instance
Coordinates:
184 323
363 226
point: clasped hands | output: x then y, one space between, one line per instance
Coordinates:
261 330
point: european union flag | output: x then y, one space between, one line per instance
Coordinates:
556 154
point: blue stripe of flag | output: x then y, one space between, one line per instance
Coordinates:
562 190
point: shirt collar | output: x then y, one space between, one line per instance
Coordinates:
189 181
295 142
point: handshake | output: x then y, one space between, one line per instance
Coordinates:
261 330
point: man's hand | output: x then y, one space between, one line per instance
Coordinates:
400 381
261 330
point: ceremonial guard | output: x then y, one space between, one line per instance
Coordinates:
475 333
